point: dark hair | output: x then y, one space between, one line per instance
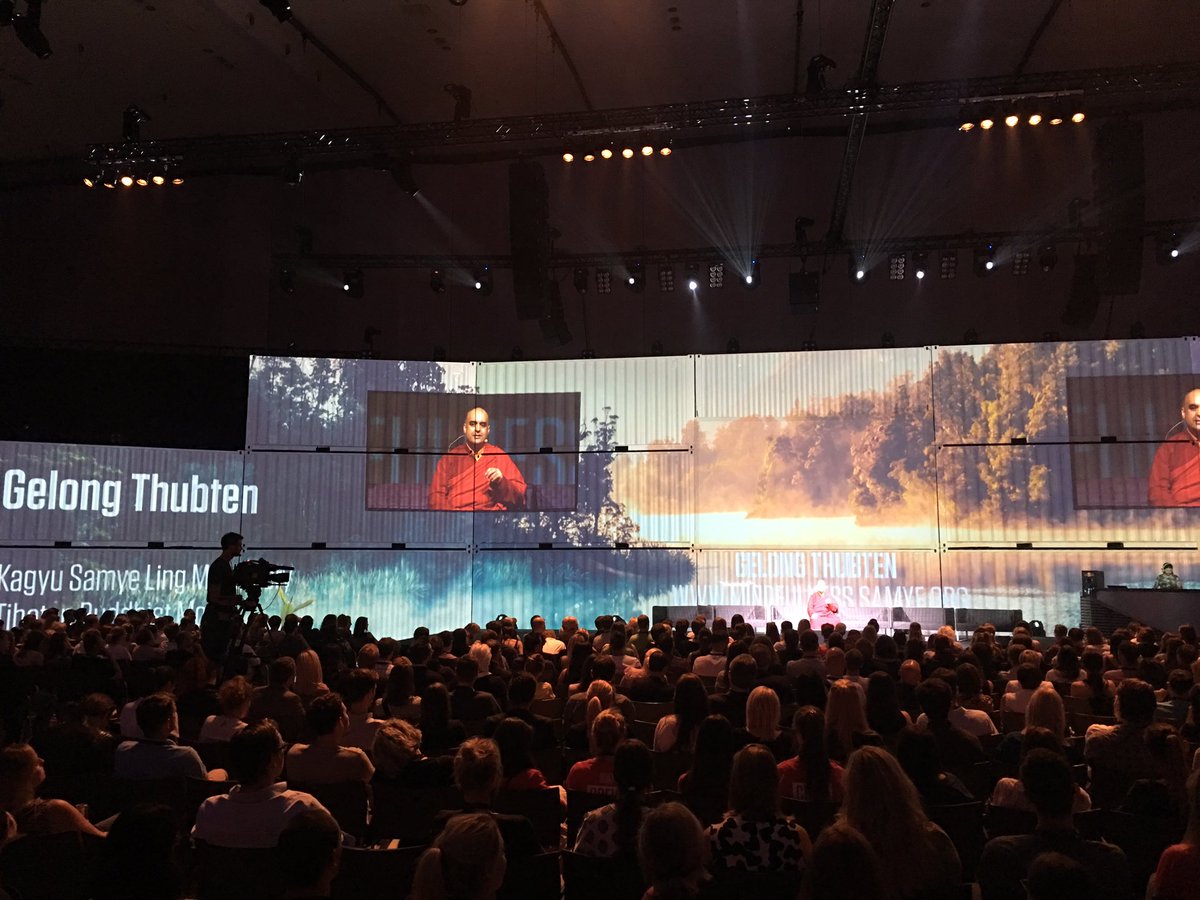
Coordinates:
358 684
143 839
1055 876
521 689
883 704
309 845
935 698
1136 701
324 713
809 641
633 771
435 710
840 850
691 706
809 726
514 737
1029 676
281 670
1093 667
743 671
229 539
918 755
712 760
154 713
251 750
1048 781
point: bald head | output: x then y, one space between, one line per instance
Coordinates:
1190 412
476 427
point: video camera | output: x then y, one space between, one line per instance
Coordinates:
252 575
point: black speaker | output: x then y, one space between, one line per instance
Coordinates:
553 319
1119 185
529 236
804 291
1084 299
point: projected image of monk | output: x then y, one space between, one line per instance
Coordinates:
1175 475
475 474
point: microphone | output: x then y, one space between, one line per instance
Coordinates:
1171 430
454 443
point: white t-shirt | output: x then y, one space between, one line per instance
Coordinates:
250 819
219 729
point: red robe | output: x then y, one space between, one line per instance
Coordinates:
1175 474
460 482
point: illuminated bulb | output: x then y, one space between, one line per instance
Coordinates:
1174 253
1035 119
749 279
606 153
126 181
177 180
627 153
989 265
966 126
142 181
920 274
1056 120
693 284
589 157
986 124
648 151
860 274
665 151
568 157
158 179
1011 121
88 182
1078 117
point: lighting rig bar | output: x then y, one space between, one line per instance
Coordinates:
704 255
1172 86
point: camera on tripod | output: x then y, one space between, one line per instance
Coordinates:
252 575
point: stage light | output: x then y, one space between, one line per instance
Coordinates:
666 279
1047 257
1056 119
948 264
1167 248
920 261
280 9
693 277
176 180
158 179
635 277
580 279
126 181
352 283
606 153
568 157
966 126
483 281
90 181
1078 117
665 151
627 153
897 264
985 259
987 123
1021 263
603 281
1012 120
1035 119
142 180
716 275
589 157
753 277
437 281
857 268
647 150
108 179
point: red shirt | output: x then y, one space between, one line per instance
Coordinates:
526 780
592 776
1175 474
461 482
793 780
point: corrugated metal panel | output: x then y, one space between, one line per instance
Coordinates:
307 497
645 401
786 384
989 394
115 495
299 402
581 583
818 481
634 498
1052 493
779 584
1045 585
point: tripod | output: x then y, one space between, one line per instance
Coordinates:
234 660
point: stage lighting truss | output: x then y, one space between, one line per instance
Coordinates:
603 281
897 264
666 279
643 147
1021 263
482 280
121 166
948 265
716 275
1028 111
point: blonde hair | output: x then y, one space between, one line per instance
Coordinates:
606 731
882 803
235 695
309 676
762 714
466 861
599 697
397 743
1046 710
835 662
481 655
844 714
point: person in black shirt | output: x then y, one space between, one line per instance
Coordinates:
221 614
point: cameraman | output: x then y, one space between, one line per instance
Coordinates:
222 614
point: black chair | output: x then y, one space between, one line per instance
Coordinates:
963 822
999 821
813 815
594 878
538 876
364 873
668 766
409 815
349 802
734 884
50 867
229 873
118 794
541 807
1143 838
651 712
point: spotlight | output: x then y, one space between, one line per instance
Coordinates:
483 281
627 153
1167 248
589 157
580 280
1012 120
568 157
176 180
108 179
647 150
987 123
1056 118
603 281
716 275
665 151
437 281
897 265
856 267
966 126
90 181
1047 257
1035 119
141 180
693 277
402 173
753 276
666 279
606 153
948 264
635 278
126 180
985 258
29 30
352 283
280 9
1021 263
158 179
1078 117
920 261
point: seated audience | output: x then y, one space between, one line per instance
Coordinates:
398 759
466 862
467 703
309 855
595 775
259 806
278 702
21 774
612 830
838 852
1049 786
1029 679
959 750
811 774
157 755
514 737
673 851
705 785
478 775
1092 685
754 836
918 754
649 684
309 683
882 803
1118 755
1009 792
677 731
82 743
1045 711
234 696
1178 872
327 760
845 719
440 732
358 693
521 691
143 839
762 724
1174 709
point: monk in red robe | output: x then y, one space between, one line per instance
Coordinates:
1175 474
476 475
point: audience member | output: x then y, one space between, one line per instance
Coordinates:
845 719
917 752
278 702
327 760
1118 755
595 774
235 696
398 758
705 785
466 862
843 866
1178 872
678 730
21 774
762 724
674 852
157 755
811 774
612 830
